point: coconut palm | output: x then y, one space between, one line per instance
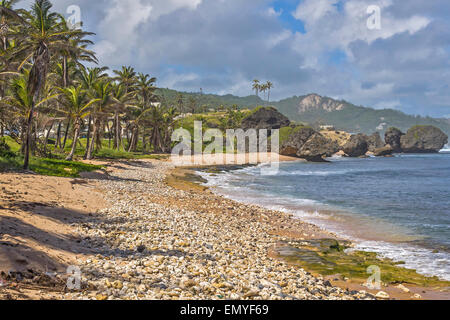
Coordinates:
88 77
256 86
102 91
6 15
41 33
263 88
121 100
127 77
22 102
77 107
269 86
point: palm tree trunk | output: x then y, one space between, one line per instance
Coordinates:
118 131
88 138
26 161
109 134
66 134
47 137
74 143
91 146
58 136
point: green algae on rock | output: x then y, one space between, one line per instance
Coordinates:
331 257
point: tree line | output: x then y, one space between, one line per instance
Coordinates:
49 83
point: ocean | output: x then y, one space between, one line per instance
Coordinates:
398 207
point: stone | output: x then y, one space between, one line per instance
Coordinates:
403 288
423 139
382 295
356 146
384 152
101 297
392 137
308 144
265 118
374 142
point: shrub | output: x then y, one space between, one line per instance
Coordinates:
5 149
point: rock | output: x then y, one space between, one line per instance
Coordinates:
251 294
101 297
383 152
117 285
308 144
374 142
296 140
403 288
317 147
357 146
382 295
392 137
423 139
265 118
416 296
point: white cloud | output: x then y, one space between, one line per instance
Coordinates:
331 29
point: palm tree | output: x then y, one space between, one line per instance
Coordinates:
127 77
263 88
41 32
102 92
77 104
269 85
88 78
120 102
22 101
6 14
256 86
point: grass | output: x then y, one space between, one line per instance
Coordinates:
57 166
49 167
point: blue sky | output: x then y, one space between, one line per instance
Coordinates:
320 46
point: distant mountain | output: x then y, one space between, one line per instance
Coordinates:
315 109
343 115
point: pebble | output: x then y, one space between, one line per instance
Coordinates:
154 242
382 295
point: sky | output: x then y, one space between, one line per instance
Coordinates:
326 47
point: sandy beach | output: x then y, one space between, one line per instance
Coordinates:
141 230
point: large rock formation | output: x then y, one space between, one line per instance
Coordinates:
392 137
265 118
374 142
423 139
384 151
308 144
357 146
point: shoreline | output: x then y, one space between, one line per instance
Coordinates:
443 293
154 241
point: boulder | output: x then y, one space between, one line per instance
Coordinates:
423 139
374 142
308 144
392 137
357 146
296 141
317 147
384 151
265 118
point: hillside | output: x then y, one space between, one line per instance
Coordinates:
314 109
343 115
210 100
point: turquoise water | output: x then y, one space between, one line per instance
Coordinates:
398 207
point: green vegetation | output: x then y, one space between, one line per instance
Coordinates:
53 107
357 119
330 257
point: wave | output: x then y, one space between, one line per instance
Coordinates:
424 260
229 185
